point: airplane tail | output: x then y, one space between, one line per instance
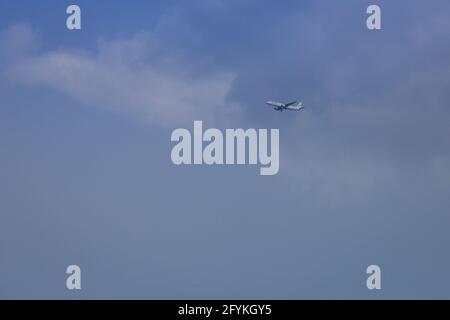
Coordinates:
297 106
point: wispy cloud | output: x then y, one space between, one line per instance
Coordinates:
130 76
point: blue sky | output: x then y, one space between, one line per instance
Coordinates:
85 170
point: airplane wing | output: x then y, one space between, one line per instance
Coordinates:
290 104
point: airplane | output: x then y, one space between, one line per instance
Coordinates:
293 106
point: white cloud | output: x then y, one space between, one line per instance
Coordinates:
128 76
16 41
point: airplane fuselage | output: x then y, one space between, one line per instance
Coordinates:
293 106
